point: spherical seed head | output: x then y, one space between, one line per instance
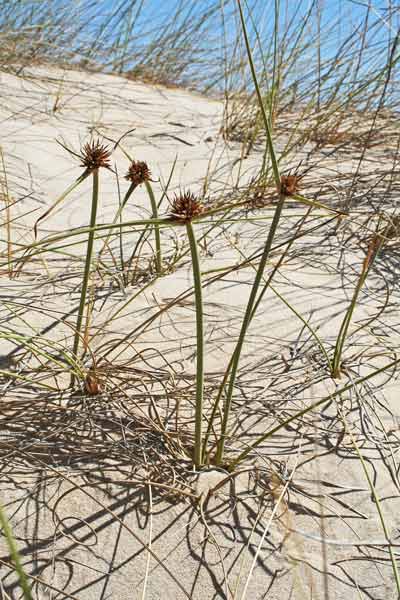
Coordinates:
290 184
186 207
138 172
94 155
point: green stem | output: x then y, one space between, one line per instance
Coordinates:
142 235
303 412
228 369
118 215
245 325
276 67
15 555
306 324
198 451
337 357
88 264
274 225
264 115
121 245
70 189
377 504
154 209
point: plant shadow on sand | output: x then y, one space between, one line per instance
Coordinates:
92 482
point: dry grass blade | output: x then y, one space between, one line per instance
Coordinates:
273 266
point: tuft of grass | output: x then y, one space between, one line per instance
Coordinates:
318 102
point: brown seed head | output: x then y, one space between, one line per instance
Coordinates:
138 172
92 385
186 207
94 155
290 184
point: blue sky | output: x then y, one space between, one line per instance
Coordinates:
340 20
349 12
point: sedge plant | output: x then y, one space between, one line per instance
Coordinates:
139 173
185 208
234 365
286 186
94 156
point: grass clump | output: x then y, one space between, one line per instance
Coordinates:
285 394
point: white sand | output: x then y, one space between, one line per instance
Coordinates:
87 538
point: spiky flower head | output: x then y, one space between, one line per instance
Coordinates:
186 207
138 172
290 184
95 155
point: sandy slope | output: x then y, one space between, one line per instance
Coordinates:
73 468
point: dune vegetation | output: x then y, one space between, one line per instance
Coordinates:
200 292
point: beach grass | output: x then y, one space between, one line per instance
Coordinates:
300 103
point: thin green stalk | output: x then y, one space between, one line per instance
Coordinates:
257 303
276 68
141 237
319 60
271 234
31 344
6 198
337 356
121 245
303 412
267 285
341 338
245 325
88 264
44 243
264 115
118 215
66 193
198 451
23 581
154 209
377 504
305 323
30 380
70 189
